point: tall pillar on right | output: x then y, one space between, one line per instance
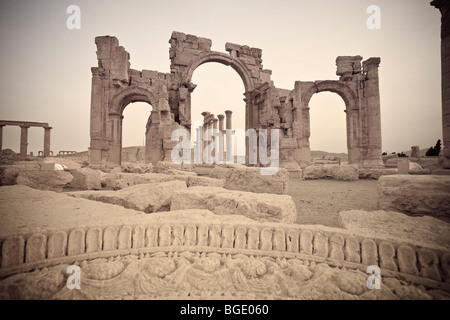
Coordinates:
444 7
229 137
47 141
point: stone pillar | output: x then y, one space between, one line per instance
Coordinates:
228 123
115 122
1 139
221 129
47 141
216 144
221 117
198 146
415 152
23 141
444 7
373 120
98 118
229 137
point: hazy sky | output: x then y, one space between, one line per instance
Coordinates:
46 74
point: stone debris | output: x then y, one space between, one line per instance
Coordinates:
148 197
258 206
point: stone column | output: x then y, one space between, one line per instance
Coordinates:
229 142
221 129
444 7
221 117
372 99
115 121
47 141
216 144
1 139
228 123
23 140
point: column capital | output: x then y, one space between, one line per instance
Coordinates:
228 112
220 116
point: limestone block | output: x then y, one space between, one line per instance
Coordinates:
137 168
13 251
205 182
44 180
416 195
150 197
125 180
221 172
168 167
250 179
314 172
258 206
345 172
393 161
85 179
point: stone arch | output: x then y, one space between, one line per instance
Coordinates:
224 59
129 95
337 87
351 109
116 107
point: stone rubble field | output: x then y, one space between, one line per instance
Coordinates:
172 232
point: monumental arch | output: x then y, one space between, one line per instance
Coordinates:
115 85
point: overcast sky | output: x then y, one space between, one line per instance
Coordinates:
46 74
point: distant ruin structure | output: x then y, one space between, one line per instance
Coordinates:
24 126
444 8
115 85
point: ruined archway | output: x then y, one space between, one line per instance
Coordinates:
115 85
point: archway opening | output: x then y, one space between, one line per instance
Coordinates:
328 128
134 122
219 88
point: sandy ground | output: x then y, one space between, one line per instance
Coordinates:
320 201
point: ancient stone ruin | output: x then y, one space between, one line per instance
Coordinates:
24 125
115 85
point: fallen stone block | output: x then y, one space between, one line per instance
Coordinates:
345 172
137 168
125 180
257 206
250 179
390 225
171 168
85 179
315 172
44 180
205 182
154 197
415 195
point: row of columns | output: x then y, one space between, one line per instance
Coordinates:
24 140
210 122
